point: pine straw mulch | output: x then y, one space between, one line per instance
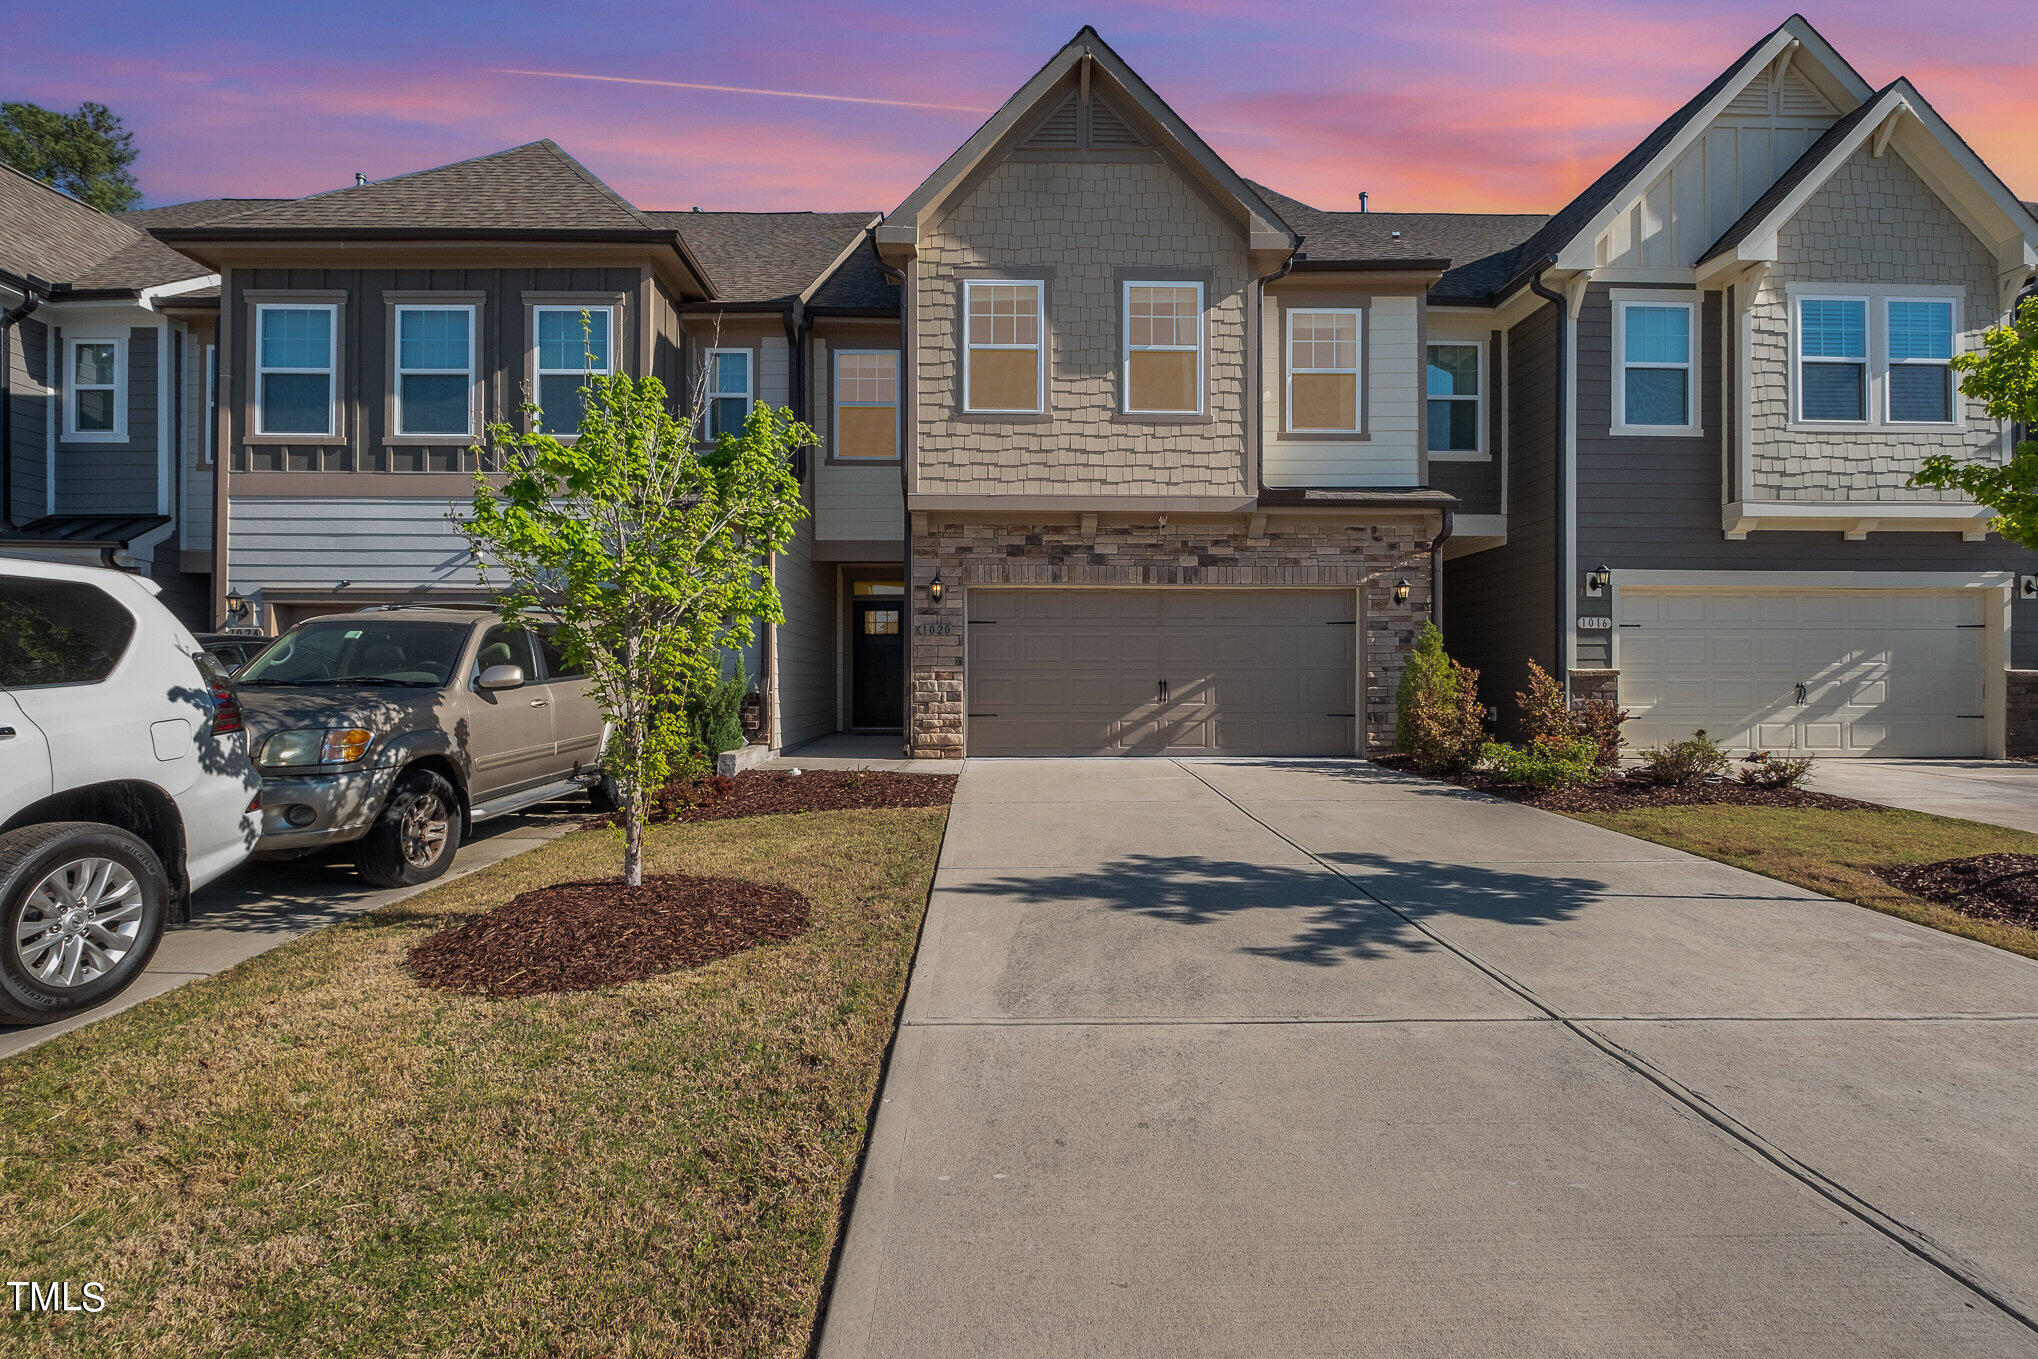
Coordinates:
780 792
1998 887
581 936
1628 791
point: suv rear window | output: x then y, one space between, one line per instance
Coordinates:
59 632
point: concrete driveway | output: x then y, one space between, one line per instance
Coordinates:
2000 792
1279 1058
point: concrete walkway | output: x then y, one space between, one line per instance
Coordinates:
2000 792
1279 1058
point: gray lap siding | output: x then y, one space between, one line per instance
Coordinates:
113 478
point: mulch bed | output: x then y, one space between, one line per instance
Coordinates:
580 936
780 792
1979 886
1626 792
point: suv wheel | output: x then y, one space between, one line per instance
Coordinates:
82 907
605 795
414 838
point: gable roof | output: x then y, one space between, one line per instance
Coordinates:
767 258
195 213
1800 170
858 286
1478 247
54 239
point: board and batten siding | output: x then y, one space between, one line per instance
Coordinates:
855 502
28 416
112 478
805 652
1387 451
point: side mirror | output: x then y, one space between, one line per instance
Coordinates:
502 677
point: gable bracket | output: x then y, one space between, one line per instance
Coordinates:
1887 129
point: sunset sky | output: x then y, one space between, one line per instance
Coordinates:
1455 104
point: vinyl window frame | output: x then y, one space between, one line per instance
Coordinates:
72 387
1357 370
1798 360
1039 347
1126 349
1879 374
257 425
608 308
397 372
1694 424
1479 452
714 394
836 403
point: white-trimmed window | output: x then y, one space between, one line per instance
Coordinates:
294 347
866 416
1002 364
729 391
435 370
1918 343
1655 376
211 401
1454 379
95 389
1831 335
1163 348
571 350
1323 371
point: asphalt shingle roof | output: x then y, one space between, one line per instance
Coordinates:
199 213
52 237
761 257
858 284
1479 245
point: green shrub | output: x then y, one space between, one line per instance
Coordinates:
714 715
1544 763
1764 770
1438 721
1684 764
1547 714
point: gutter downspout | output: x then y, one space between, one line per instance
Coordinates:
1259 367
1563 576
1436 570
30 300
898 278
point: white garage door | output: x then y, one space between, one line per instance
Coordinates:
1835 672
1161 672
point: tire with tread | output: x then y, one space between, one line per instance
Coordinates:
604 796
380 857
30 854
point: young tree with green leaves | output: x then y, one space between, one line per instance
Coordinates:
86 154
651 552
2003 376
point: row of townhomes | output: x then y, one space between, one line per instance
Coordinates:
1122 452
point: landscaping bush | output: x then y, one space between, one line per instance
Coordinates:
1546 763
1599 720
1548 715
1764 770
1685 764
1438 721
714 716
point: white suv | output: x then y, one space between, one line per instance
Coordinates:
125 782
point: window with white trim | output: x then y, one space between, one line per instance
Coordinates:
1918 344
1002 361
1655 377
1323 371
1832 359
1163 348
294 348
729 391
95 389
435 370
866 416
574 345
1456 396
211 401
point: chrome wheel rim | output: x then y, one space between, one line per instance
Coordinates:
79 922
424 830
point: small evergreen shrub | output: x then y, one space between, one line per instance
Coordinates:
714 715
1438 721
1545 763
1775 772
1685 764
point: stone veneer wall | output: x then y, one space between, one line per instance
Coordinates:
1587 685
2020 718
1144 554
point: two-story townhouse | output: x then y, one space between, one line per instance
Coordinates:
1724 360
105 338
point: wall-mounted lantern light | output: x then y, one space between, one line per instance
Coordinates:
236 603
1401 591
934 588
1598 579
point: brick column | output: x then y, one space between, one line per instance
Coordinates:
2020 716
1591 684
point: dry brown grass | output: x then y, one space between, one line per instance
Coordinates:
312 1155
1837 853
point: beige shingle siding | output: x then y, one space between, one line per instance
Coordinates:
1875 222
1086 223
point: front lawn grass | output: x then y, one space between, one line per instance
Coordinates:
1836 852
310 1154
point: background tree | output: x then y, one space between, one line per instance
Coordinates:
86 154
2003 376
651 553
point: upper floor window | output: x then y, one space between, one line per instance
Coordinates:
294 369
1655 378
435 370
1920 348
95 403
1454 396
1163 348
571 350
1323 371
1832 353
866 403
1002 371
729 391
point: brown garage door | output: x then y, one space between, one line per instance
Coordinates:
1161 672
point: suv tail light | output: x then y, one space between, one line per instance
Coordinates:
226 708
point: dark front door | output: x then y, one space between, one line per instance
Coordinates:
878 658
